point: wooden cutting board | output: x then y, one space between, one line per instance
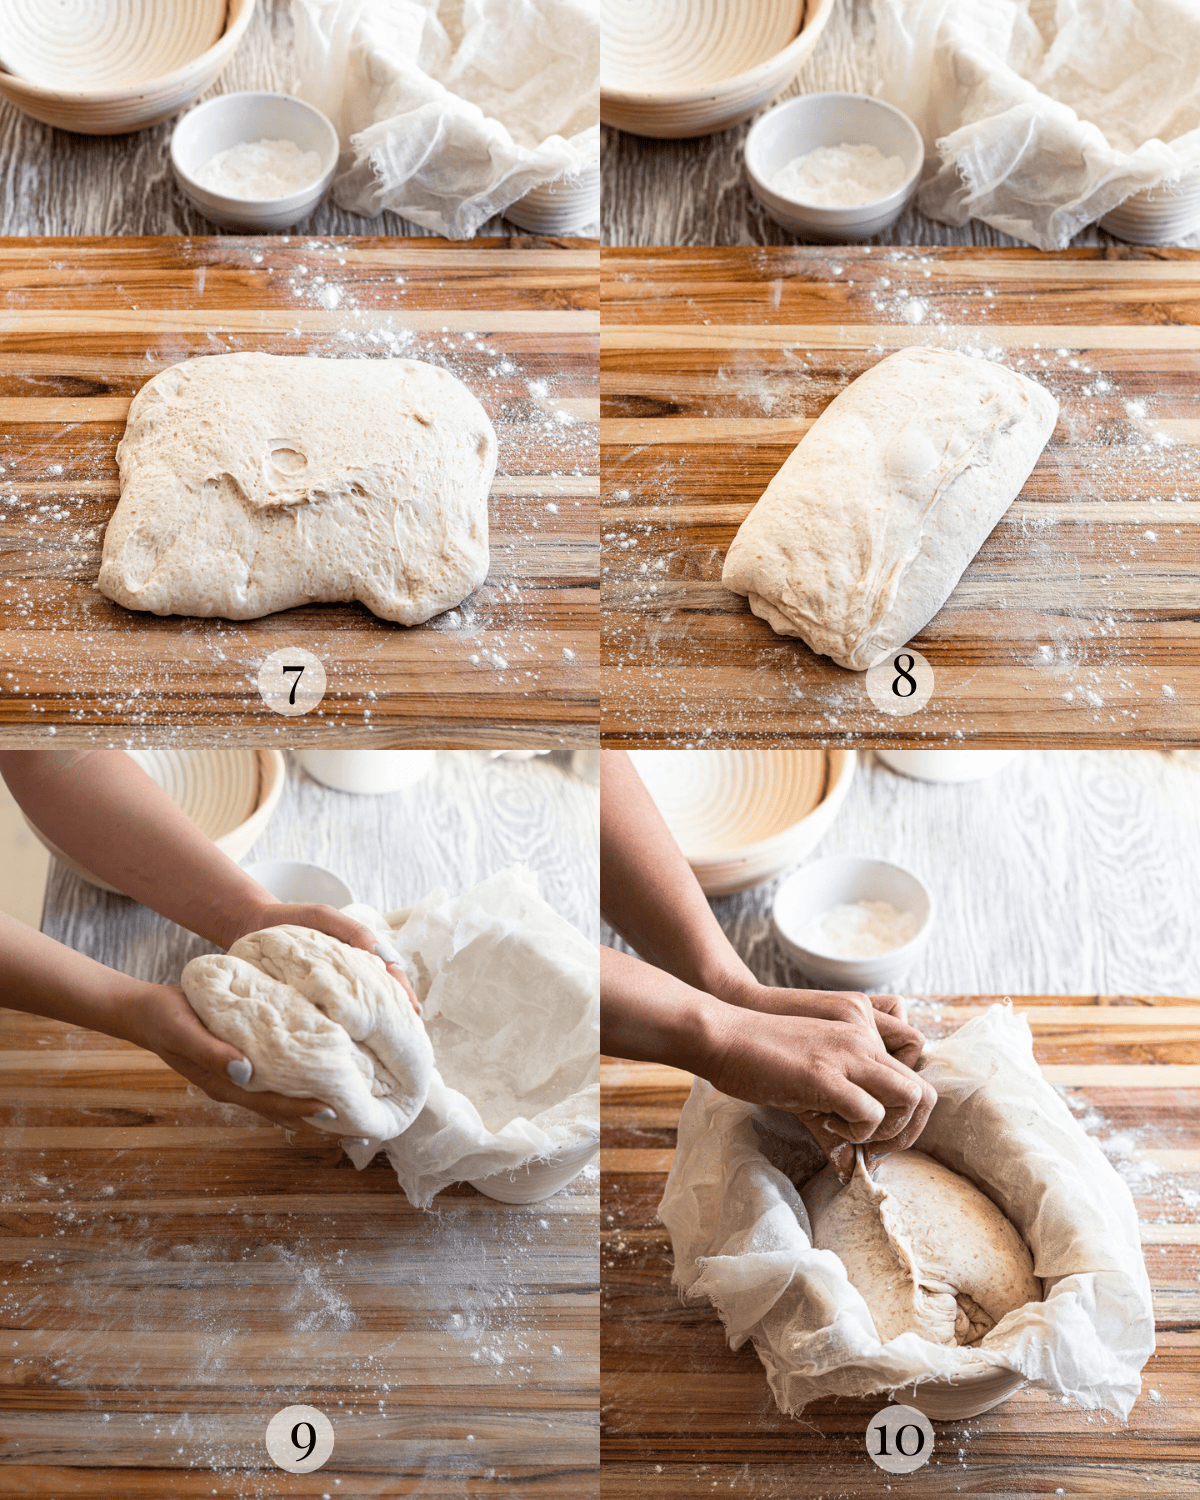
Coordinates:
175 1273
686 1416
85 323
1079 620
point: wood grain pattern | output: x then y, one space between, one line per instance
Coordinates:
1076 622
58 183
684 1415
83 325
1067 871
175 1272
695 192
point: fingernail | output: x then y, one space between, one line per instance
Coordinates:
323 1114
355 1140
240 1071
388 952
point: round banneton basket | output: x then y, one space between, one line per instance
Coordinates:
561 206
229 795
677 68
742 817
122 54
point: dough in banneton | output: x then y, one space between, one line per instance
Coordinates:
255 482
860 538
321 1020
926 1250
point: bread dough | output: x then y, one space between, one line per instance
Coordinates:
859 539
254 482
320 1020
927 1251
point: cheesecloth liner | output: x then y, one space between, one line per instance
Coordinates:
740 1236
450 110
1045 116
510 997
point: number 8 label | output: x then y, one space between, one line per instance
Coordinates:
299 1439
902 683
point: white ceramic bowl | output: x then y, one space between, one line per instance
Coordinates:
229 795
294 880
366 771
674 68
1158 216
952 1400
122 107
946 765
566 204
742 817
537 1179
829 882
230 119
798 126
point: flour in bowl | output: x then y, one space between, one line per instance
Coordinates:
858 929
259 169
839 176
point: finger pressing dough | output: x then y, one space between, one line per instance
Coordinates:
859 539
318 1020
254 482
927 1251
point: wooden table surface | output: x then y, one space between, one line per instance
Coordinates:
696 193
684 1416
1077 621
174 1272
84 324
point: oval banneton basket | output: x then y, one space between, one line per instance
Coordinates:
742 817
117 108
681 68
229 795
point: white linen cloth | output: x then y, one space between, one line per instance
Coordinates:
1039 116
741 1236
510 997
448 111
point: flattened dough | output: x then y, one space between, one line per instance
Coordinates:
255 482
318 1019
927 1251
860 538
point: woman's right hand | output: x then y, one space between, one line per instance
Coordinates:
836 1075
160 1019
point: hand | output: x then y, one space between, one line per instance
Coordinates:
884 1014
835 1074
161 1020
328 919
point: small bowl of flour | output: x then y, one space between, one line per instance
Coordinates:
852 923
834 166
256 161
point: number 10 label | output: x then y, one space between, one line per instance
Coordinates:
901 683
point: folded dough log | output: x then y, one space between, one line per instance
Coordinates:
859 539
925 1249
254 482
321 1020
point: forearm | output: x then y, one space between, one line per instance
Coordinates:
649 894
651 1016
102 809
42 977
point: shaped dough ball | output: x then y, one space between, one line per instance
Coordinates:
926 1250
321 1020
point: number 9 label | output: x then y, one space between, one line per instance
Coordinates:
299 1439
902 683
